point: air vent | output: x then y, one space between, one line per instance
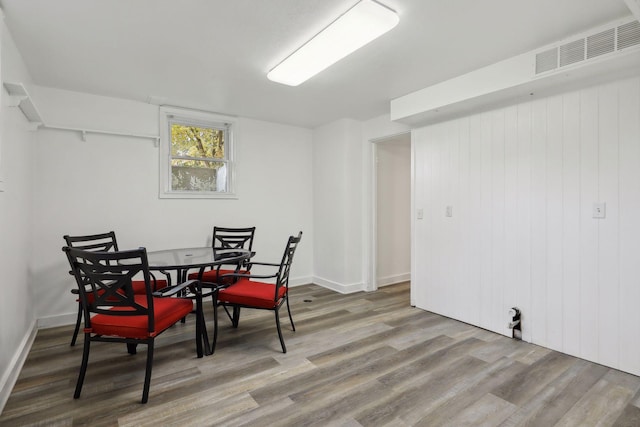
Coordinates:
571 53
606 41
601 43
547 60
629 35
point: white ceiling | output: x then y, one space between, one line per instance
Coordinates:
214 54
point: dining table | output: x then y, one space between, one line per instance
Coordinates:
181 260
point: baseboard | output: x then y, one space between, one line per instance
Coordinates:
339 287
10 376
299 281
58 320
392 280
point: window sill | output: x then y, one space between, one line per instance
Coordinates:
193 195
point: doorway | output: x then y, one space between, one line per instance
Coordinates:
392 209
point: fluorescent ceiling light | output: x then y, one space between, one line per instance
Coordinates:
364 22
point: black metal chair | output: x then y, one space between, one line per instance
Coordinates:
246 291
104 242
228 238
114 313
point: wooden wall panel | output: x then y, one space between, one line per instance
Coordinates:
474 237
629 313
608 228
522 284
538 314
554 214
510 294
440 295
449 273
497 238
522 182
486 221
420 267
463 222
589 312
570 308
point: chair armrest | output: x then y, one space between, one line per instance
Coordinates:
213 288
235 275
250 276
268 264
254 276
193 285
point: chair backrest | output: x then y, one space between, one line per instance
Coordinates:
104 242
233 238
287 260
105 282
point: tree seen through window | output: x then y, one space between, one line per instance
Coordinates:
198 160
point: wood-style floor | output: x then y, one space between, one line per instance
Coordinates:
365 359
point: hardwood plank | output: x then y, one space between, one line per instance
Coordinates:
530 382
630 417
602 405
488 411
559 396
469 391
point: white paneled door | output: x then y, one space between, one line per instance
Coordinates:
522 182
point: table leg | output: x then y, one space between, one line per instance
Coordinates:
210 345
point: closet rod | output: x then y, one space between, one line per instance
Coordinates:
103 132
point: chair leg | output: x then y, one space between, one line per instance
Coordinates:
202 336
290 318
77 329
236 316
284 348
131 348
201 330
215 321
83 366
147 375
228 314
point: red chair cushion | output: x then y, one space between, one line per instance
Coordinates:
250 293
140 289
167 311
212 275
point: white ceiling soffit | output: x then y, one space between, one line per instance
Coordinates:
634 7
603 53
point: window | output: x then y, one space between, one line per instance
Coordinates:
196 154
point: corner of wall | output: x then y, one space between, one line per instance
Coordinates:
11 373
339 287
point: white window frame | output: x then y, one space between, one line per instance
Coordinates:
203 119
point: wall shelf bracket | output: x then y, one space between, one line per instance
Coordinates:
19 97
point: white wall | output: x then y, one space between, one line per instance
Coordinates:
111 183
522 182
393 217
17 311
337 161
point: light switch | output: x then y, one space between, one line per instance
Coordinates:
599 210
449 211
420 213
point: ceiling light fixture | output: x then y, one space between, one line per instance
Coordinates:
364 22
